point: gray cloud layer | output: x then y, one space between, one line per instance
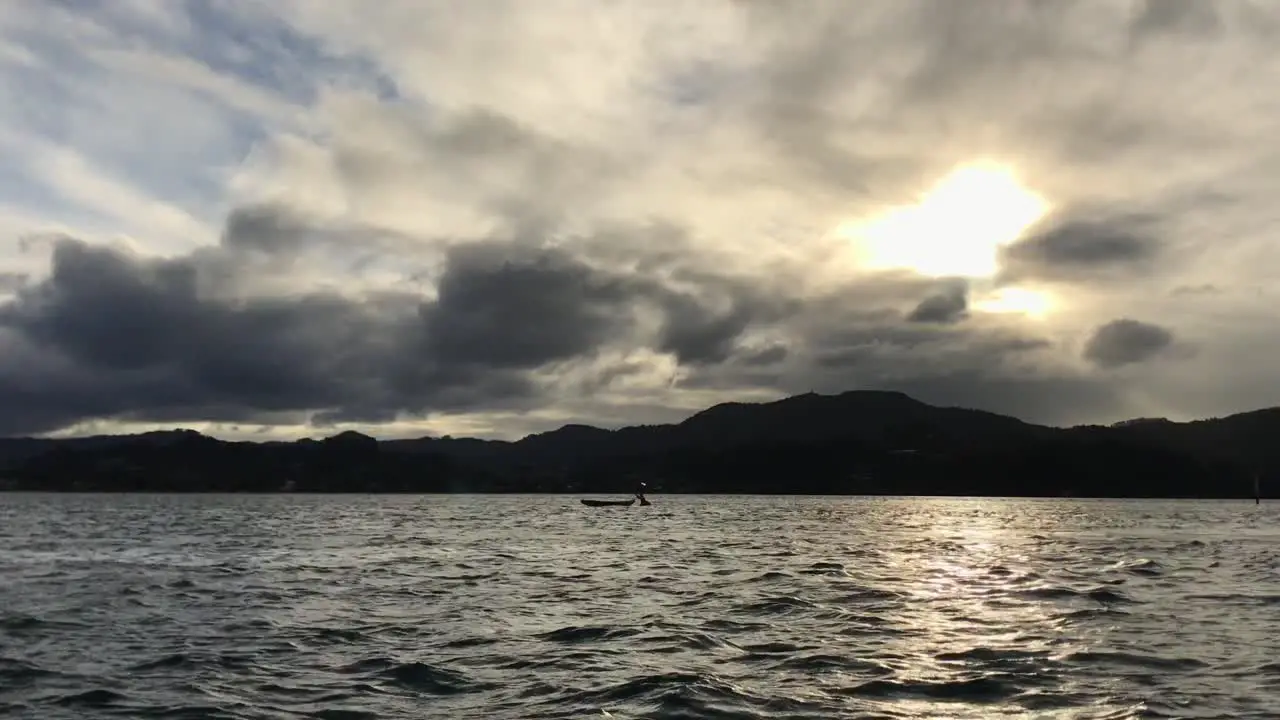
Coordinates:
1125 342
1084 248
948 306
114 334
523 219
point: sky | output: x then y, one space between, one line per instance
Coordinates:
285 218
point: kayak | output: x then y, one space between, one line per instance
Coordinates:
609 503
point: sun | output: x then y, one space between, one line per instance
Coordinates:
955 229
1022 301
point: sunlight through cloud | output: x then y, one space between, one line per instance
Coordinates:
956 228
1033 303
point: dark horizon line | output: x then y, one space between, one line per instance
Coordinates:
667 493
181 429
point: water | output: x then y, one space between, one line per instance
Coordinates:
696 607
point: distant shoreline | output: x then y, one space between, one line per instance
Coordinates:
655 498
859 443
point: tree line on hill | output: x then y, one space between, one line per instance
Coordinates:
865 443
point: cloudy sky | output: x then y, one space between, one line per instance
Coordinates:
285 217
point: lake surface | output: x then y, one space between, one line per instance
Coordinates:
342 607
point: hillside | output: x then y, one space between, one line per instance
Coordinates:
860 442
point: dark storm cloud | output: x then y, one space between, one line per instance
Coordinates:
951 305
832 347
705 327
266 228
548 304
135 338
109 334
970 366
881 346
1125 341
277 236
367 416
1082 249
695 334
978 365
502 307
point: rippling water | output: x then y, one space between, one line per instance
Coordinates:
696 607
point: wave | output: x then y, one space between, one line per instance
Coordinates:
987 655
1147 568
96 698
340 714
773 576
167 662
776 605
586 633
736 626
470 642
981 689
417 676
489 610
855 594
1133 660
18 673
1104 595
829 662
692 695
824 568
1087 615
16 624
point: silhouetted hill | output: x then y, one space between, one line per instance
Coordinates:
1250 437
13 450
870 416
881 418
856 442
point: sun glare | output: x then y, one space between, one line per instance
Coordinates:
956 228
1016 300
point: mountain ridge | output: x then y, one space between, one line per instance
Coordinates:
852 442
733 404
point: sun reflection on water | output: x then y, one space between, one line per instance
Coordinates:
531 607
980 617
